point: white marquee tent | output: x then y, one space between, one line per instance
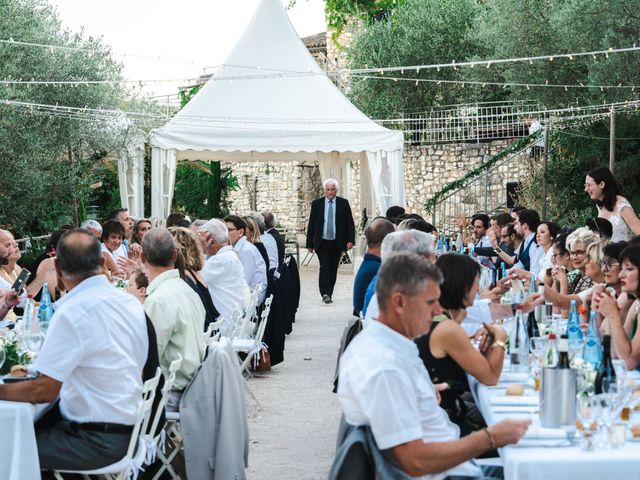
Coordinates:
295 113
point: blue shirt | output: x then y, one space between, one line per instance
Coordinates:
326 213
371 289
368 269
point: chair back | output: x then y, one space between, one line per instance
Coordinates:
263 320
247 325
143 413
166 390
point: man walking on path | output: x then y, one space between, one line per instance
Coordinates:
330 232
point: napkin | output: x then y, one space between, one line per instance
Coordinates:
512 377
537 431
514 400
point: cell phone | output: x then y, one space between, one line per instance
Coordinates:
21 280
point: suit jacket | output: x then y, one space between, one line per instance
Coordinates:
279 243
213 418
345 228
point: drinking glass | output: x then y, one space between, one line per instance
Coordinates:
2 357
34 342
586 412
606 406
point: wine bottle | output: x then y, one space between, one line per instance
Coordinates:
563 348
606 376
551 352
519 344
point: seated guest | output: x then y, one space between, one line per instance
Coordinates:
510 242
379 228
122 216
270 244
383 382
252 234
174 309
577 243
91 360
112 246
625 333
446 351
255 270
138 284
192 261
174 218
10 270
393 213
9 300
222 270
601 227
496 224
93 227
140 227
270 229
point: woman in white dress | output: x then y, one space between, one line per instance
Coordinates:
603 190
545 235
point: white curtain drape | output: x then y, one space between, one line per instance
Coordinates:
131 179
163 176
387 178
334 165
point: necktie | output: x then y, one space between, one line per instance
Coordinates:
330 233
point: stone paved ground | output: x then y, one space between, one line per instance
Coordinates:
292 436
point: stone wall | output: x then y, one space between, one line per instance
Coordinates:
287 188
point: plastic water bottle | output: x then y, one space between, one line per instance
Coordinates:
45 312
574 331
519 344
29 317
459 244
440 247
592 352
471 249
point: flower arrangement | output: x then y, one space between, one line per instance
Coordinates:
9 344
586 376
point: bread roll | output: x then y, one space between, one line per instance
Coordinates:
515 389
19 371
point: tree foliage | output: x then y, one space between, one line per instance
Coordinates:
49 162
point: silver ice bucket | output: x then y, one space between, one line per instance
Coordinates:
558 397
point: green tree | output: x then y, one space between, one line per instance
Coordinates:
49 160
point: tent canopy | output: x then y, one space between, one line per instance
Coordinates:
271 101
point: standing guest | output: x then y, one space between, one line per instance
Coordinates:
223 271
601 227
252 233
192 257
383 383
379 228
270 229
529 253
603 190
91 360
537 149
510 242
122 215
255 270
140 227
174 309
330 232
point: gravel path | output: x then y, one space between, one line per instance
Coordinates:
293 434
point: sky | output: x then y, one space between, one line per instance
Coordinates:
199 33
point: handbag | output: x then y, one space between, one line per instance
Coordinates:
261 361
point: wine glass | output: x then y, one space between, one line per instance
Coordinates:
586 412
2 357
34 342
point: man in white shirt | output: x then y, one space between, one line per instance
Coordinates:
255 270
383 382
223 271
529 253
92 360
175 310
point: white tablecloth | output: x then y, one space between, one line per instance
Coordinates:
554 460
18 450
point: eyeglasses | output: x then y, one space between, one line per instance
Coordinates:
578 253
608 264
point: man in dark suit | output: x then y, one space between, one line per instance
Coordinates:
330 232
270 228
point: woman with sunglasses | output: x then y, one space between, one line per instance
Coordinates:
624 328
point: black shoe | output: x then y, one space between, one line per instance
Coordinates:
326 298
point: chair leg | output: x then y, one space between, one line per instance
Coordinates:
255 399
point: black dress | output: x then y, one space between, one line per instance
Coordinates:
457 401
203 292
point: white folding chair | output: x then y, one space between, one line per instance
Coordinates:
252 346
155 442
247 325
130 465
230 325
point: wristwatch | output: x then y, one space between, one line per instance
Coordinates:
499 343
497 250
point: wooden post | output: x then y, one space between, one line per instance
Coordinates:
545 136
612 140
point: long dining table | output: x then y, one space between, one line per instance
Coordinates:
550 453
18 449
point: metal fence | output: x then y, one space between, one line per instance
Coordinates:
468 122
485 193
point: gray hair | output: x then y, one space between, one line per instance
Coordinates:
406 273
582 234
331 181
259 218
269 220
93 224
158 247
407 241
217 229
198 223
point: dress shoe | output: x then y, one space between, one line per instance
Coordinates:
326 298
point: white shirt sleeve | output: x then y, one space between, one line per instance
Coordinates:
248 263
62 350
379 395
